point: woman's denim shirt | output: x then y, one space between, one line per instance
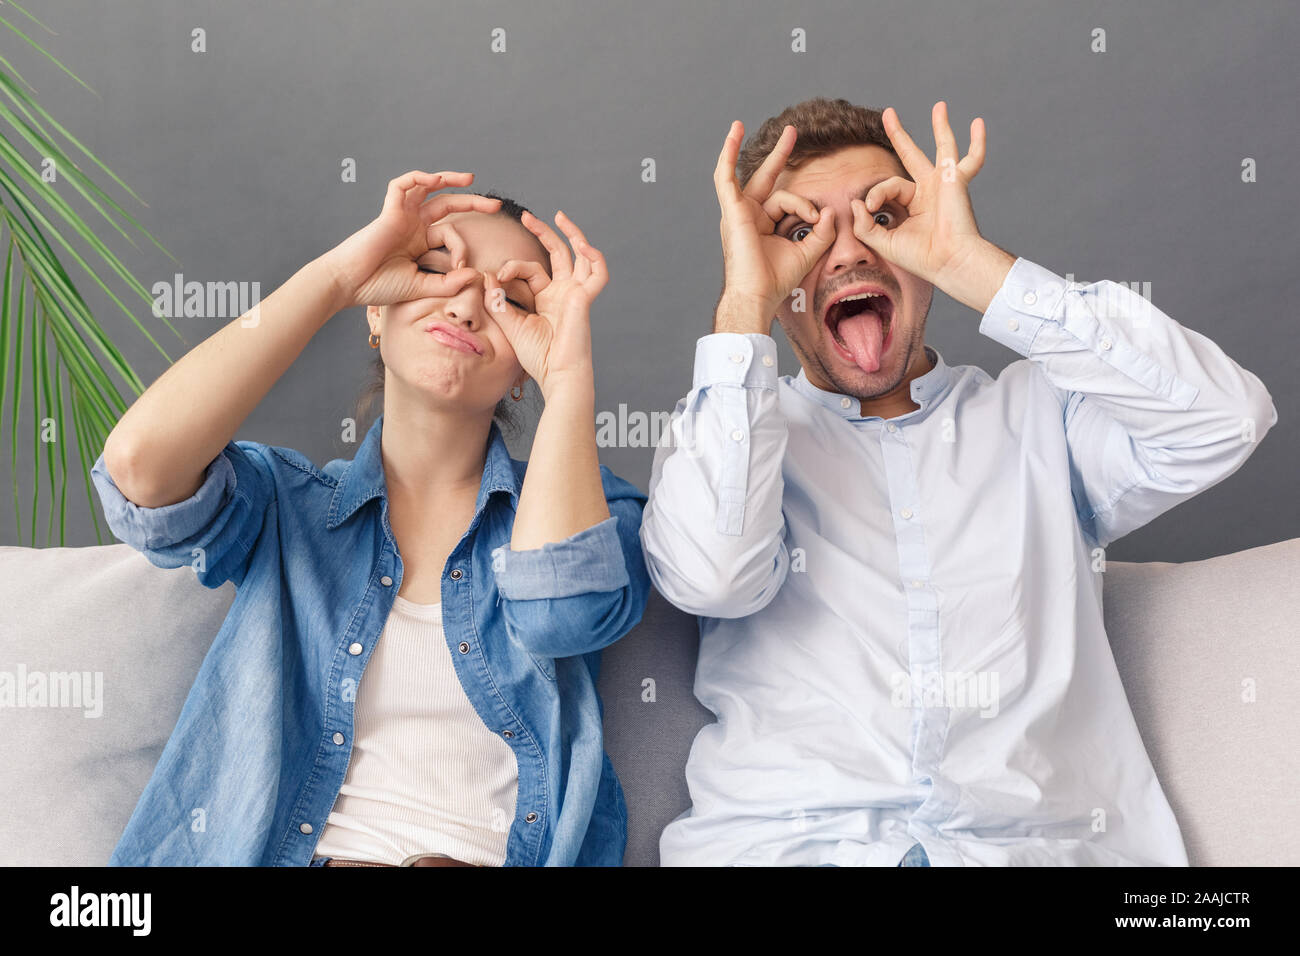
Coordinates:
255 763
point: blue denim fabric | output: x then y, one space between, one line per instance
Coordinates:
252 768
916 856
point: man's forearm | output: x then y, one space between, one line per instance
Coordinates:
736 313
976 278
713 529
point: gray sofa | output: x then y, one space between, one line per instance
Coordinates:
1207 650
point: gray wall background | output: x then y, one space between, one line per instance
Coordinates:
1123 165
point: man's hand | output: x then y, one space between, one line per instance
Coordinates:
939 240
761 267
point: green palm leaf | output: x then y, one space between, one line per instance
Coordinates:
41 306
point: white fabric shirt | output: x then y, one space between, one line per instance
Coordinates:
901 625
426 774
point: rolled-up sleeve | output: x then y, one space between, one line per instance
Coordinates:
583 593
714 530
214 530
590 560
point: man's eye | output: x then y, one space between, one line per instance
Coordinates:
799 233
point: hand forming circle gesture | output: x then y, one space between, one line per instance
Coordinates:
553 342
760 266
377 264
940 230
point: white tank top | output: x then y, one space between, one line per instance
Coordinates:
426 775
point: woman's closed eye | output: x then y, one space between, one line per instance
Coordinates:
428 268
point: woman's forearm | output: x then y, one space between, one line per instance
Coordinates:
160 448
562 492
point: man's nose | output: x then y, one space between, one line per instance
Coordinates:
847 251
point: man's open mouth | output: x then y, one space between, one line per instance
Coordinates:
859 323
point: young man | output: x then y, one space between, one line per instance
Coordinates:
895 560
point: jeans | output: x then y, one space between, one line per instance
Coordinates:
915 857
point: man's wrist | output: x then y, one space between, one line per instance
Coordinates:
975 279
737 313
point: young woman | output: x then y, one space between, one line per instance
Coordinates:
473 592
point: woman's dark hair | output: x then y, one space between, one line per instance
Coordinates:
508 412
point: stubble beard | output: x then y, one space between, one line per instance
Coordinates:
865 385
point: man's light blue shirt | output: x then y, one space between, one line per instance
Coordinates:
902 634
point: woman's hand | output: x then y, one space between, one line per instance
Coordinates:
376 265
552 343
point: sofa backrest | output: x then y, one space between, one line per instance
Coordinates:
1207 651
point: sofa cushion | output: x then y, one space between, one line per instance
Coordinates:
70 779
1208 654
1189 641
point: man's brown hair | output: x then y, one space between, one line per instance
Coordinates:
824 126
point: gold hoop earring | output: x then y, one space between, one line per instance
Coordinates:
519 389
374 341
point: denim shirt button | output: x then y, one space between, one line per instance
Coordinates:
354 649
386 581
531 818
456 574
464 647
338 738
304 827
507 734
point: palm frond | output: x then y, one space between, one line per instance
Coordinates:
67 348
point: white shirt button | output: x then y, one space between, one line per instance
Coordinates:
304 828
1105 343
906 512
338 738
1030 298
916 584
767 360
845 402
354 649
737 357
737 435
386 581
1012 324
891 427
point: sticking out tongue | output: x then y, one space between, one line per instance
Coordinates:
863 334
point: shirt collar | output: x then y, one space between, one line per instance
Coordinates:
925 389
363 478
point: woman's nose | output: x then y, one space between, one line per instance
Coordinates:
466 306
